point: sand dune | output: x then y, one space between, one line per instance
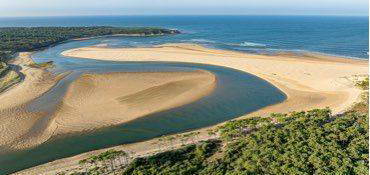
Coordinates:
91 101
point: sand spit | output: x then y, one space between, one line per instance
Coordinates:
91 101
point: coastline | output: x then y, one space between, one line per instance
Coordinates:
120 35
336 91
313 74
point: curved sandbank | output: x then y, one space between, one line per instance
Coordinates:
310 81
96 100
91 101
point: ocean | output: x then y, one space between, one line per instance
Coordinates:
237 92
346 36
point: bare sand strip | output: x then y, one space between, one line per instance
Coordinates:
310 81
91 101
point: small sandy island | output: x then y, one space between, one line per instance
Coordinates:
91 101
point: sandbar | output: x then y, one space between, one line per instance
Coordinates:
90 102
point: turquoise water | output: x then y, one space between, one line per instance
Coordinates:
336 35
237 92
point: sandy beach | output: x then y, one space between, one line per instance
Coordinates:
309 81
91 101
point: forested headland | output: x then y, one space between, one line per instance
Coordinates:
26 39
21 39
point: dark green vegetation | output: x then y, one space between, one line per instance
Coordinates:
3 68
313 142
20 39
43 65
363 84
26 39
8 76
6 55
187 160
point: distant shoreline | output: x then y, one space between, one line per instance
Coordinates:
118 35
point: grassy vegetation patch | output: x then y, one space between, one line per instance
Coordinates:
364 84
363 105
3 68
8 79
43 65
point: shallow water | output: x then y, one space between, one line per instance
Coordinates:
236 93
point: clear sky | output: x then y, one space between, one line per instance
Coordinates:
182 7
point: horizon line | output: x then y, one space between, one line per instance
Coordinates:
107 15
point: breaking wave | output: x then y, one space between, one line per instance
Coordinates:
250 44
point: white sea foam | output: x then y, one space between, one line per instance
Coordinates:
251 44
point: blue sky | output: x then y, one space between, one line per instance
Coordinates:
182 7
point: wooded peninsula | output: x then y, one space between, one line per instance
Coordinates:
27 39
